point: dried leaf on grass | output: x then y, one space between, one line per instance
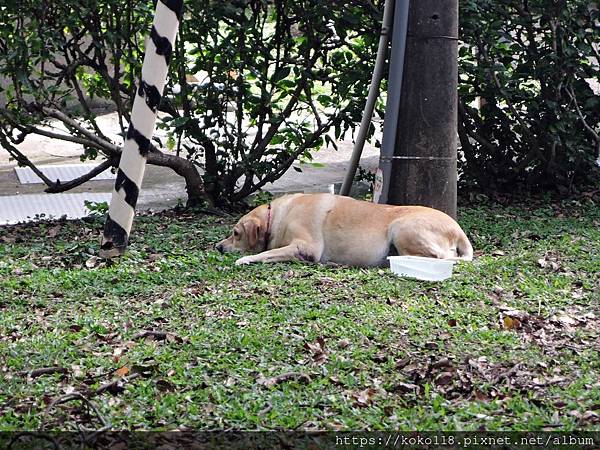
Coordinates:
363 398
344 343
318 350
123 371
551 261
118 353
288 376
511 323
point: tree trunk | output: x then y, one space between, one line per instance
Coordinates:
186 169
424 166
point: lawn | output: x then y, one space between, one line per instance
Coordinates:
174 336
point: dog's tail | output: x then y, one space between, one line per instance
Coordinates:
464 249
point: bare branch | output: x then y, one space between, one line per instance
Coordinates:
156 334
112 385
593 132
42 371
22 159
312 106
532 139
102 144
91 405
55 186
72 78
286 111
63 137
283 167
59 186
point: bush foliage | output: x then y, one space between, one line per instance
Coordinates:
275 77
526 63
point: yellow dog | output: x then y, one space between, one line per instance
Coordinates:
331 228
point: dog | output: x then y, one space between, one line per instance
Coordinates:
329 228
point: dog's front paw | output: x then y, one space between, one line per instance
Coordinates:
244 260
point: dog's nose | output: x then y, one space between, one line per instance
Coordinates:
219 247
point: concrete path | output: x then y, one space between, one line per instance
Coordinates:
162 188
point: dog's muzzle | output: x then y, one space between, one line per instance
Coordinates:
220 248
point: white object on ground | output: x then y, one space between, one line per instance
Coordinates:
32 207
62 172
430 269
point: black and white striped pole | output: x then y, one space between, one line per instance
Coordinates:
141 127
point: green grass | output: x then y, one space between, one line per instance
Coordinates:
366 350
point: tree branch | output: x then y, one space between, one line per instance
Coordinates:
59 186
102 144
22 159
181 166
286 111
472 133
286 164
532 139
63 137
593 132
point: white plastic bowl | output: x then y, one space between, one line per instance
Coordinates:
430 269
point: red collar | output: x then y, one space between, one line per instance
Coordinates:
268 231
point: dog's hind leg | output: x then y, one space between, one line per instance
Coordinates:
409 238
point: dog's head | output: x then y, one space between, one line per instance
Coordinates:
249 234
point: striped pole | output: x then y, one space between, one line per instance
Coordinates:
143 120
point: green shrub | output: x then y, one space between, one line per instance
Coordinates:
276 76
526 63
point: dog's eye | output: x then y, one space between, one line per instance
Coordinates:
236 233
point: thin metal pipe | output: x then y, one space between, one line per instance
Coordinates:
392 107
388 14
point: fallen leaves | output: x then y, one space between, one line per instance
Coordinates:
287 275
490 352
444 378
118 353
164 385
54 231
551 261
364 397
77 372
92 262
380 357
284 377
318 351
564 319
406 388
123 371
11 239
512 319
343 343
158 336
537 326
510 323
117 386
43 371
590 417
439 372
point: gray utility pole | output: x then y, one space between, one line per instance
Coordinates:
423 165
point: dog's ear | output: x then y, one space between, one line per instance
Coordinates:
252 230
